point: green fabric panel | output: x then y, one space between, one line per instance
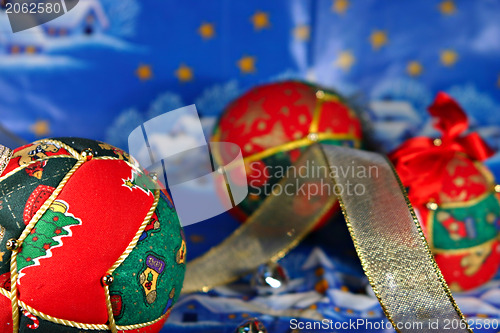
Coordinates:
150 279
14 194
99 148
483 230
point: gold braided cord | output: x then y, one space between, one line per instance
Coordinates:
130 164
69 149
88 326
62 321
5 292
13 292
109 307
11 172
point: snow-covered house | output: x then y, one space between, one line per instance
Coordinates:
29 41
203 308
320 272
86 18
347 303
393 121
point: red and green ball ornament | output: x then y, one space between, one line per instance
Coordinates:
273 124
454 195
86 242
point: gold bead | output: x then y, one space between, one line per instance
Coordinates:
12 244
432 205
88 154
320 94
437 142
313 137
107 280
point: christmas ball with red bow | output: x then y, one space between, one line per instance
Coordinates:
87 241
274 123
454 196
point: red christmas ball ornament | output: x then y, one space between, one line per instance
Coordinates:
86 242
273 124
454 196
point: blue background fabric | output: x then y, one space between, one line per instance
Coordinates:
134 60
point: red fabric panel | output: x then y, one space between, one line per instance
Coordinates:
5 314
67 284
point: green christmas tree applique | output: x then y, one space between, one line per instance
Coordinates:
142 181
46 235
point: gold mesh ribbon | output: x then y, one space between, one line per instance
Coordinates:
5 155
276 227
388 239
391 245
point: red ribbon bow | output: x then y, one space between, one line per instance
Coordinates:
421 162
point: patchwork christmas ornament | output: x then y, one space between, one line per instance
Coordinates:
273 124
455 196
86 242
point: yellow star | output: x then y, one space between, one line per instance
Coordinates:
254 113
144 72
340 6
449 57
414 68
378 38
207 30
260 20
345 60
40 128
247 64
184 73
275 137
302 32
447 7
128 183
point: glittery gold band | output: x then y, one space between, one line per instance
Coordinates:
5 155
388 239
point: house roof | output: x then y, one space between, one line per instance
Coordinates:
78 14
400 110
317 258
357 302
215 304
